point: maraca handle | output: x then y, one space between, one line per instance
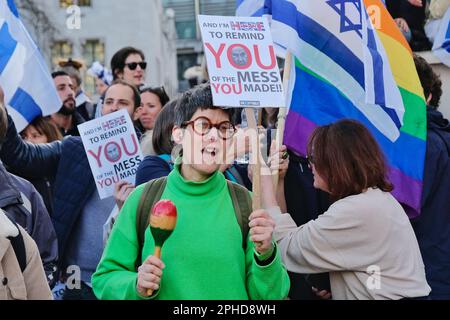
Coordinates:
158 255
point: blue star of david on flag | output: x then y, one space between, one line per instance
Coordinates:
347 24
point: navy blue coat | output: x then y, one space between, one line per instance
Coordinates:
432 227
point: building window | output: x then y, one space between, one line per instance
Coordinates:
185 61
185 22
186 29
81 3
93 50
61 50
218 7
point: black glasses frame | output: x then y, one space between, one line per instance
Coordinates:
310 159
211 125
133 65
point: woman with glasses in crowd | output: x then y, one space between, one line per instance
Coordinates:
364 240
207 256
129 64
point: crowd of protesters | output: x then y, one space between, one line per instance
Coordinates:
413 17
329 229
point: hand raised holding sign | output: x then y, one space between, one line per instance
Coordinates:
122 190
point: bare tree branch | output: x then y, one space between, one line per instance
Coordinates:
42 30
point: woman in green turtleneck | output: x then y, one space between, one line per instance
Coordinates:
204 257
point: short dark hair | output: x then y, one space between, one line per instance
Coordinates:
158 91
162 131
119 58
59 73
73 73
199 97
136 95
431 82
348 158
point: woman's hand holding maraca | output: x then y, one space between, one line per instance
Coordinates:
162 221
149 275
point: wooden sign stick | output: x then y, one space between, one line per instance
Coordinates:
282 113
256 160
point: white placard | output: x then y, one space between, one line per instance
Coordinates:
242 64
113 150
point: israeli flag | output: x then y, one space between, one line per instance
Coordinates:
24 76
249 8
439 31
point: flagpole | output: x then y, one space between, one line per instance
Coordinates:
282 113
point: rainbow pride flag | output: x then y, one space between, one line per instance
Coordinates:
351 61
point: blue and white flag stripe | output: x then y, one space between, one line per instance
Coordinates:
24 76
7 47
381 88
342 52
249 8
257 8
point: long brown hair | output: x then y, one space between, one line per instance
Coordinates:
348 158
162 131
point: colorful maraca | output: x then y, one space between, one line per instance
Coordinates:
163 219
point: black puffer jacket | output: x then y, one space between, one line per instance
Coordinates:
23 204
432 227
31 160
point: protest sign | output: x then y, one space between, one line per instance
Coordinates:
113 150
242 65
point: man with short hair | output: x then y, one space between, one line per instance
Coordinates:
78 212
121 95
67 118
84 106
432 227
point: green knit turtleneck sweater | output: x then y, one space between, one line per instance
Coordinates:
204 257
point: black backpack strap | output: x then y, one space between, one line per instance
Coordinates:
235 174
19 247
152 193
242 204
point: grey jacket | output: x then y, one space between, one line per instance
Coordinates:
22 203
